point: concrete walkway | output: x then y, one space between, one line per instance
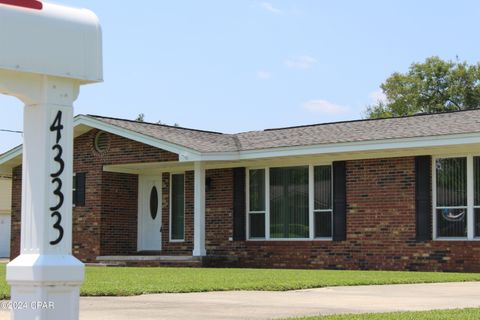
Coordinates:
271 305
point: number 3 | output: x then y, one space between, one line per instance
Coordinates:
59 227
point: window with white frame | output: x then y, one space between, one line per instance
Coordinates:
290 202
257 205
456 200
323 201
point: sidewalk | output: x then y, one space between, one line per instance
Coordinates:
270 305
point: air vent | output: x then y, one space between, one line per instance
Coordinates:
102 142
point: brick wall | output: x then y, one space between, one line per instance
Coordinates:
380 218
16 212
380 228
119 214
107 224
219 213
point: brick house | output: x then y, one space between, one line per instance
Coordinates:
394 194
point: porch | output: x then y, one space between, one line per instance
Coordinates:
151 260
166 202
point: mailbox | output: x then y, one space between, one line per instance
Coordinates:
50 39
47 52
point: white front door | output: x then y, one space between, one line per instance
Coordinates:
149 213
4 236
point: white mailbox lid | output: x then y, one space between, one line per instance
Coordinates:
54 40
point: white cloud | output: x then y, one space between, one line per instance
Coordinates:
377 96
325 107
264 74
269 7
301 62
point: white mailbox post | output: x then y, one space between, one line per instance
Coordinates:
46 52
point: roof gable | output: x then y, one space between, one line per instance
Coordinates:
193 139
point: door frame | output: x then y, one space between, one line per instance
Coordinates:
143 208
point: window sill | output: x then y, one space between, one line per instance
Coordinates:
456 239
281 242
176 241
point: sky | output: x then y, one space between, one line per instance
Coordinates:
241 65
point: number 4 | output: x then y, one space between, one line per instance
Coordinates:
57 125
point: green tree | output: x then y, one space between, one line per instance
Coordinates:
140 117
429 87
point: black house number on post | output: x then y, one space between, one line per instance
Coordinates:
57 127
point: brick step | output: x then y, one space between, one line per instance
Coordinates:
150 261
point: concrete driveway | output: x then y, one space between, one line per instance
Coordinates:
271 305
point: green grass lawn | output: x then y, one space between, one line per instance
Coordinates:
456 314
101 281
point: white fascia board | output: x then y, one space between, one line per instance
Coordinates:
386 144
8 156
11 154
184 154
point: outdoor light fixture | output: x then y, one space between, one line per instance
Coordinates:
208 184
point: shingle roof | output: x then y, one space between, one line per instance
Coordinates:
327 133
203 141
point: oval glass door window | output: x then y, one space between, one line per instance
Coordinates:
154 203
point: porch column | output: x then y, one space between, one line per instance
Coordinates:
199 210
45 271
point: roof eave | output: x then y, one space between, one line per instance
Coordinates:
347 147
184 153
10 159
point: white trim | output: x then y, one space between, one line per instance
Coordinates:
456 239
199 249
170 209
11 154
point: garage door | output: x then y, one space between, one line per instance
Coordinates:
4 236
